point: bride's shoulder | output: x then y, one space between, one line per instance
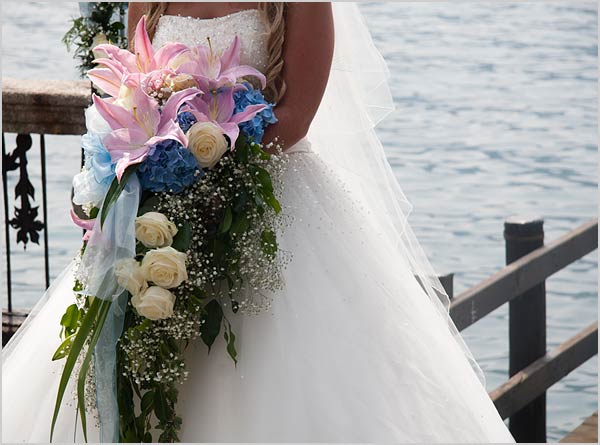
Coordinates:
307 9
308 17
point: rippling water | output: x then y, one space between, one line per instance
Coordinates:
496 115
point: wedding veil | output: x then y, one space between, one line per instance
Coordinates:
356 99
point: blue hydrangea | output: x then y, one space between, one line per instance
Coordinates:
168 167
255 127
185 120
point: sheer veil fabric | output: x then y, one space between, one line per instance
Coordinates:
356 99
353 349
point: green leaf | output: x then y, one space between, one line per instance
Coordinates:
70 318
161 406
63 350
273 203
149 205
181 241
269 242
78 286
212 323
147 401
264 179
227 219
140 249
82 334
230 339
240 225
239 202
102 313
114 191
173 346
94 212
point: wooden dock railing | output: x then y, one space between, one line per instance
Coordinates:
521 284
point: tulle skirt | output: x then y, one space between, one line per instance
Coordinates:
352 350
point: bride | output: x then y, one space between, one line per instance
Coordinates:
359 345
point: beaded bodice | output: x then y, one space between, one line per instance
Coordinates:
246 24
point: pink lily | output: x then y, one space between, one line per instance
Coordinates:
135 131
119 62
213 71
87 224
218 108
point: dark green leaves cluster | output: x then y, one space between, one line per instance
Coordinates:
84 29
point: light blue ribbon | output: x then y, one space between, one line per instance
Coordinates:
105 247
106 371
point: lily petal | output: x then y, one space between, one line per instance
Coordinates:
244 70
221 105
124 140
231 130
105 79
124 57
144 53
169 130
115 115
177 99
168 53
231 56
249 112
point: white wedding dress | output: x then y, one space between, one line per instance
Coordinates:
352 350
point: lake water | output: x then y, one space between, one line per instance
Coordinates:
496 115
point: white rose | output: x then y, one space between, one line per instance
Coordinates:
182 81
154 229
165 267
207 143
129 275
154 303
98 40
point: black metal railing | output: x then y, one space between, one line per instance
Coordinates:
24 217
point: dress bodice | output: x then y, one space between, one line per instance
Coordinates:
247 24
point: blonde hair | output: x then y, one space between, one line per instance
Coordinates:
274 16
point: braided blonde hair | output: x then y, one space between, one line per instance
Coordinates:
274 15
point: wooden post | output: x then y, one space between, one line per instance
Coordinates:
527 326
447 282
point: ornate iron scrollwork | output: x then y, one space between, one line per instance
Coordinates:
25 219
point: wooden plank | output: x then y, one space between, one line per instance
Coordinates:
536 378
523 274
587 432
11 321
44 106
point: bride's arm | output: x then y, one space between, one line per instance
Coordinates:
135 11
307 54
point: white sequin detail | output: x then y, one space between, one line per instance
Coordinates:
248 25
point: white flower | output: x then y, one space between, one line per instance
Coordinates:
86 190
165 267
154 229
154 303
98 39
182 81
207 143
129 275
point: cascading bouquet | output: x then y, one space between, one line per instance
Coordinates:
179 203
